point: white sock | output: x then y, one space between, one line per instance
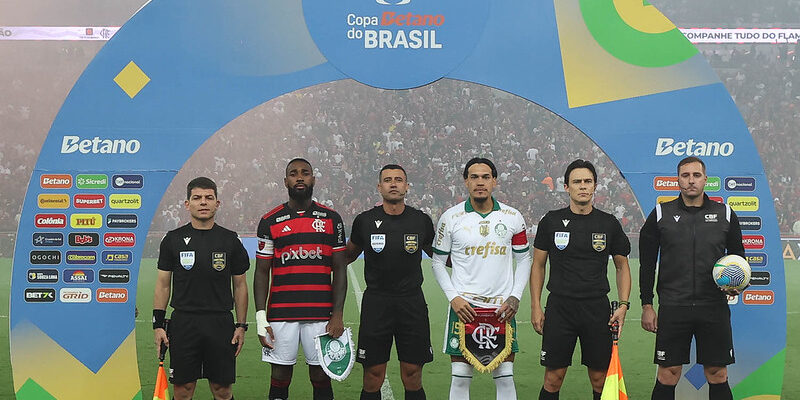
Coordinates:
462 377
504 381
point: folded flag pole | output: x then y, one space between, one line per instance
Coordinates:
614 387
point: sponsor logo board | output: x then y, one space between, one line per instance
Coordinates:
49 200
127 181
40 295
55 181
758 297
743 203
79 221
125 239
91 181
713 184
75 295
125 201
78 276
97 145
50 220
117 257
750 223
48 239
693 147
740 183
111 295
81 257
42 275
122 220
114 276
89 201
666 183
45 257
84 239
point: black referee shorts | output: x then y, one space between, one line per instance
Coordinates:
568 319
200 347
710 326
404 318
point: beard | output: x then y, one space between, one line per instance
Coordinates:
301 195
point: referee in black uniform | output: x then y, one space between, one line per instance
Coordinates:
690 234
393 237
578 240
199 261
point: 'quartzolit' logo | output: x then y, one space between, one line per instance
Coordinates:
129 201
96 145
119 239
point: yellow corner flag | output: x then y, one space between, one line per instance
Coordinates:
162 384
614 388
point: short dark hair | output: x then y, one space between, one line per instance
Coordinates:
392 166
579 164
200 182
480 160
301 159
689 160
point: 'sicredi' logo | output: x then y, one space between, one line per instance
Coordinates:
619 49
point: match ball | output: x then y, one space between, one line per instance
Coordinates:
731 272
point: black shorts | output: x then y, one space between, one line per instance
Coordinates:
565 320
404 318
200 347
710 326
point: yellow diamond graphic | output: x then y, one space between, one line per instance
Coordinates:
131 79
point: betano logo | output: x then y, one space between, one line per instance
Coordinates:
743 203
96 145
691 147
86 220
112 295
55 181
53 200
758 297
665 183
126 201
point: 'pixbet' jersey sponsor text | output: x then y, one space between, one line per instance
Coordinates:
397 38
96 145
692 147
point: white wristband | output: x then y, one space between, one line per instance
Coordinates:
261 323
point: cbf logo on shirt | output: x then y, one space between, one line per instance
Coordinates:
378 242
187 259
561 240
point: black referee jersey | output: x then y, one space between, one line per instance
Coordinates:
578 247
393 246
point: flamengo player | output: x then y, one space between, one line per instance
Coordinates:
299 242
483 238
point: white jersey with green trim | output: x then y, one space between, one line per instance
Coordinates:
480 247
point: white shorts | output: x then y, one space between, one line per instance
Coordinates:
288 336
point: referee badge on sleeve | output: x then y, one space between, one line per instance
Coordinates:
411 242
599 241
377 241
187 259
218 260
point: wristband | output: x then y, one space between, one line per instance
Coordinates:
627 304
261 323
242 325
159 319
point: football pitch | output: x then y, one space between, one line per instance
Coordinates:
636 348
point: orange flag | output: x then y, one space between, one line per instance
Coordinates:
162 384
614 388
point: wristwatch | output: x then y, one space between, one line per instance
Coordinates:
242 325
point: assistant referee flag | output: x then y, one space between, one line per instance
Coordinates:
614 388
162 385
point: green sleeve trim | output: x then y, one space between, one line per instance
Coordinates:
525 250
443 253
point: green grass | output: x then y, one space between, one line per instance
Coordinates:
636 348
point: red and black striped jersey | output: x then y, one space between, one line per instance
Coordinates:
301 246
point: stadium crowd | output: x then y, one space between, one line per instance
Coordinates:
348 130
